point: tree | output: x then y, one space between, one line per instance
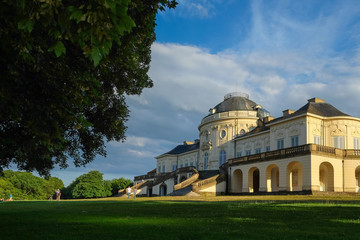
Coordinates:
24 185
118 184
51 185
89 185
66 67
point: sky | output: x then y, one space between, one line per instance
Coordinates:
281 53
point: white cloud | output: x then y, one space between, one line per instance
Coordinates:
196 8
291 53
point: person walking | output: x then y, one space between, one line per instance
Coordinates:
135 190
58 194
128 190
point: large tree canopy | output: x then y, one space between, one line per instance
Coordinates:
24 185
66 67
89 185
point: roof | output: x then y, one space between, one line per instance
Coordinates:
183 148
321 109
317 107
235 102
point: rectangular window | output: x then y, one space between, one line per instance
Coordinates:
258 150
248 152
356 143
280 143
181 165
159 169
163 168
317 139
186 164
338 142
174 167
268 148
294 141
238 154
191 164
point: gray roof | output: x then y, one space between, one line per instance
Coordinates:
318 108
322 109
235 104
183 149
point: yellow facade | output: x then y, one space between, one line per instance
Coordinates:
315 148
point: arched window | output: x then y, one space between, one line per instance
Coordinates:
206 159
222 157
242 132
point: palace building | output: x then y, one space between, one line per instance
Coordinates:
243 150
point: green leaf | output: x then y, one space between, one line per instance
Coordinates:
96 55
59 49
26 24
76 15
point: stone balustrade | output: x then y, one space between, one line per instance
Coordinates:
298 151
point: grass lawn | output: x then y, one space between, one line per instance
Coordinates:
230 217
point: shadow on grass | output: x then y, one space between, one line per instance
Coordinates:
178 220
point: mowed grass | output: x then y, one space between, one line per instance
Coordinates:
230 217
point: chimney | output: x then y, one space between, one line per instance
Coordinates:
268 119
187 143
316 100
287 112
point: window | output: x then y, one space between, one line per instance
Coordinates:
242 132
317 139
191 164
268 148
163 168
186 165
159 169
257 150
248 152
223 134
222 157
206 159
181 165
294 141
238 154
280 143
338 142
356 143
174 167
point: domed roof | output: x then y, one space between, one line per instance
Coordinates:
235 102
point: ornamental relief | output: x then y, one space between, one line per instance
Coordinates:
356 133
337 132
205 132
215 127
279 134
206 146
316 132
294 132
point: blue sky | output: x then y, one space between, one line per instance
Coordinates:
279 52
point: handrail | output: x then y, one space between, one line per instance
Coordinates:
166 176
137 186
212 180
187 182
298 150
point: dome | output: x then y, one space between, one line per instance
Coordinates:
235 102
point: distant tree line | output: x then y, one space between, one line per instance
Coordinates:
26 186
